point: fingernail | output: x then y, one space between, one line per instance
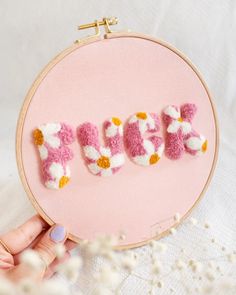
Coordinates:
58 233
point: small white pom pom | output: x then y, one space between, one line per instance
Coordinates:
156 266
60 251
129 261
177 217
27 286
210 275
180 265
6 288
108 277
193 221
54 287
160 284
70 268
207 225
32 259
231 257
157 246
173 231
196 266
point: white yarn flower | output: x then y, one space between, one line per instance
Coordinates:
104 160
144 120
115 127
177 122
46 133
198 144
151 157
60 178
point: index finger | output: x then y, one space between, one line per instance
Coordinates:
20 238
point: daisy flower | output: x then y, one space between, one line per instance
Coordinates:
196 144
114 127
177 121
102 162
145 121
60 176
47 134
152 155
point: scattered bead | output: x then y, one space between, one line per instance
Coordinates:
173 231
210 275
180 265
177 217
207 225
231 257
193 221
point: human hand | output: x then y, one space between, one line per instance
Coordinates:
35 234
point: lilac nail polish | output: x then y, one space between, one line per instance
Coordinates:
58 233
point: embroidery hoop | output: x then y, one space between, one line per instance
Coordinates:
43 75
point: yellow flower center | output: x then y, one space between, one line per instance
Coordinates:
180 119
104 162
38 137
116 121
63 181
204 146
142 116
154 159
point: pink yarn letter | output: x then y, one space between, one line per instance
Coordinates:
102 161
143 151
52 140
180 136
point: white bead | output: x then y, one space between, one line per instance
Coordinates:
177 217
193 221
180 264
210 275
173 231
231 257
196 266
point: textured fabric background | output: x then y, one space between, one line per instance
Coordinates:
33 32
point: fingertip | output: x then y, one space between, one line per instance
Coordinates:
40 220
58 233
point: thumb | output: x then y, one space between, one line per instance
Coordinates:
46 245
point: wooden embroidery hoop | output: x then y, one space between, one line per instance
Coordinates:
80 43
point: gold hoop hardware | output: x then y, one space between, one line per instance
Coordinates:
107 22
